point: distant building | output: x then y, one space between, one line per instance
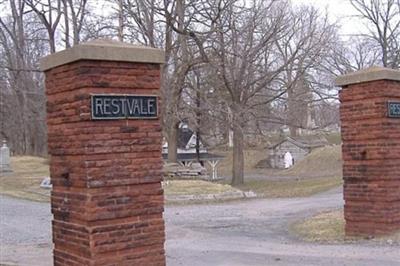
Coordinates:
186 141
187 151
290 150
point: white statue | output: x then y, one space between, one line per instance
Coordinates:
5 158
288 158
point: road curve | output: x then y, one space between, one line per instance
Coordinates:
253 232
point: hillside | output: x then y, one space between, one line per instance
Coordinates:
251 158
322 162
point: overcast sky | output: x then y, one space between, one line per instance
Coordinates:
340 10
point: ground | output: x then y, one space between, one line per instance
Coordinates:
23 182
321 170
194 187
318 172
252 232
328 227
283 187
305 228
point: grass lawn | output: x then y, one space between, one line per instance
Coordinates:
195 187
28 173
291 187
24 181
323 227
328 227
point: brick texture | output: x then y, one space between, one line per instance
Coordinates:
371 154
107 200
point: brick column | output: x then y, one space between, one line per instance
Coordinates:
107 200
371 151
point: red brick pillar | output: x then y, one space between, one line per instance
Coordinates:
107 200
370 122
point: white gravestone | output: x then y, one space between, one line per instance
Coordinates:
5 158
46 183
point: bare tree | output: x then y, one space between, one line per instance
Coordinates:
29 30
74 14
249 47
141 21
120 20
22 96
245 64
312 40
382 19
159 24
49 12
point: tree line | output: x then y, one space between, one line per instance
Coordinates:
231 66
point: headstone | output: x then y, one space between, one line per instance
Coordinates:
5 158
46 183
104 139
371 150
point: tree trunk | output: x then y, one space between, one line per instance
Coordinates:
238 157
291 113
230 138
293 131
52 42
198 145
120 21
198 121
173 143
66 22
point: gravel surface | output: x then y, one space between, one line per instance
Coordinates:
24 222
252 232
256 233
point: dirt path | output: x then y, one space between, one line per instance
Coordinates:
237 233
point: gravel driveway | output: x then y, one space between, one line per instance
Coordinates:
253 232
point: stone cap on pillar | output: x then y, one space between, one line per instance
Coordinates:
105 50
368 74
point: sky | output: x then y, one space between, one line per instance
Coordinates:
338 10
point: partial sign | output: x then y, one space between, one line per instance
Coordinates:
394 109
111 106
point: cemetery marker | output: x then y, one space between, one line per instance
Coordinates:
5 158
104 140
111 106
394 109
370 106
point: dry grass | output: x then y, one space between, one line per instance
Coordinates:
194 187
29 171
323 227
321 170
328 227
24 181
251 158
321 162
291 187
333 138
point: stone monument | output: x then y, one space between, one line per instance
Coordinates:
5 158
104 138
370 126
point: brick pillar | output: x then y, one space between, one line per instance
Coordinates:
107 200
371 150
